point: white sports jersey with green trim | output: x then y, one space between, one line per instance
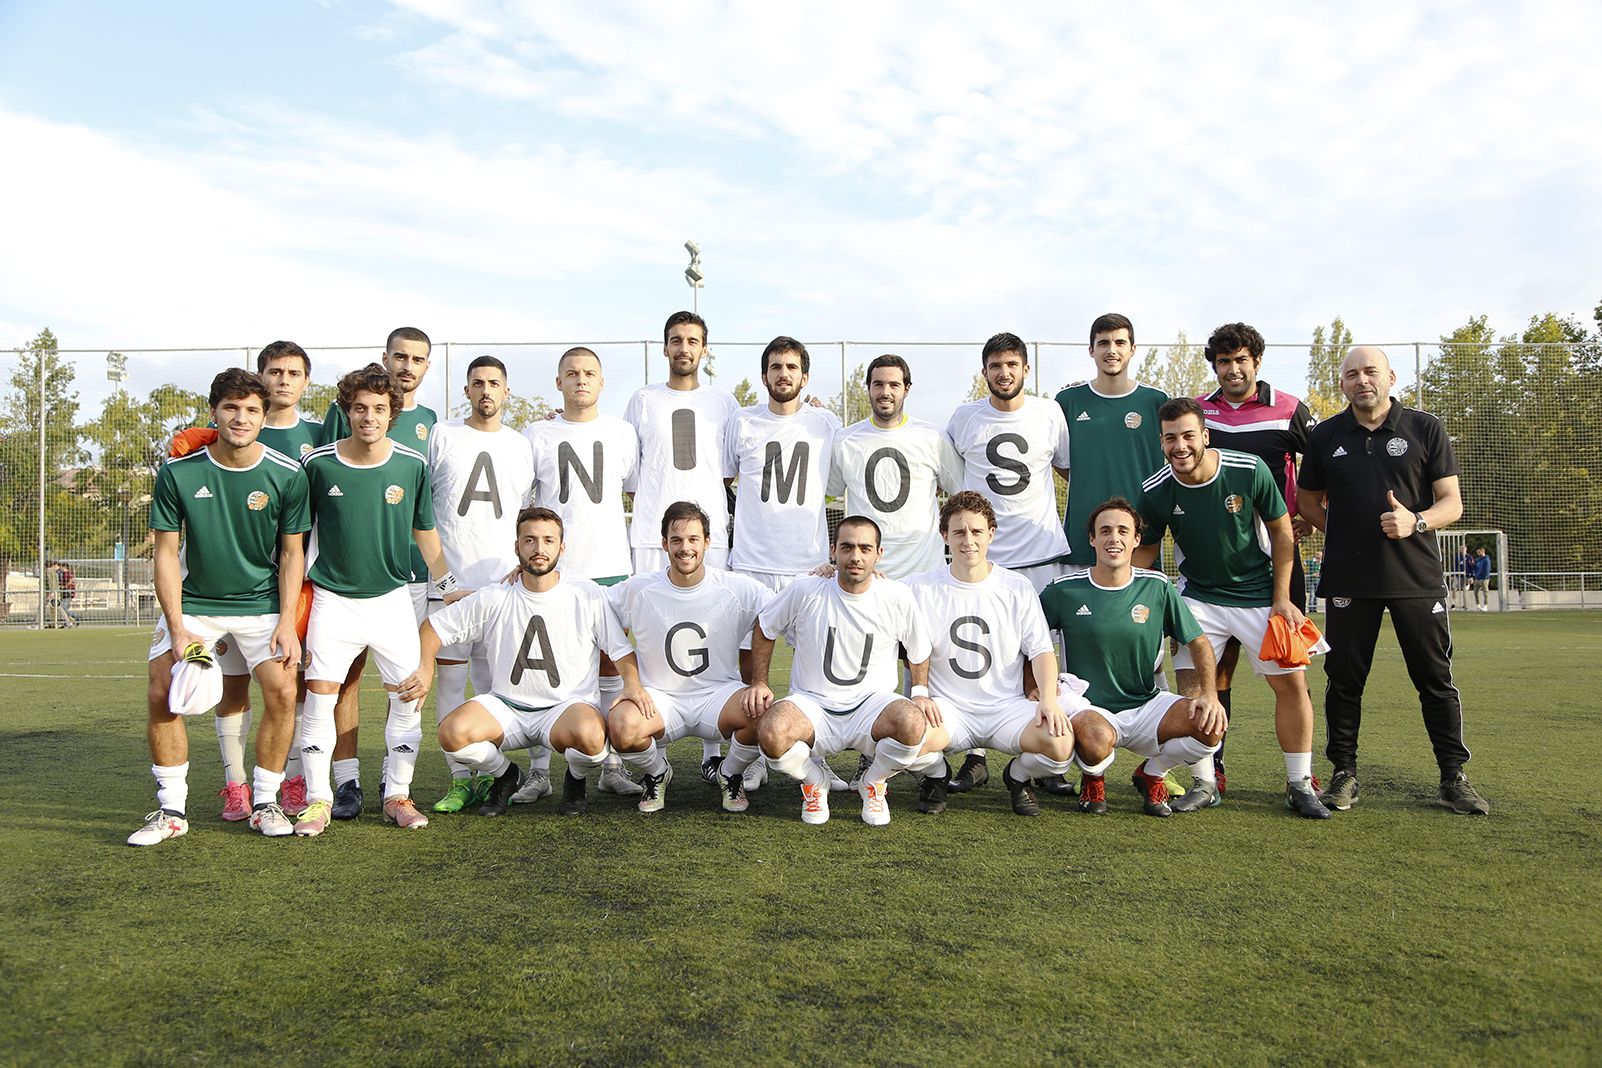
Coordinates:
893 477
981 632
479 480
579 473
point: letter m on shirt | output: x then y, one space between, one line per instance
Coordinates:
791 479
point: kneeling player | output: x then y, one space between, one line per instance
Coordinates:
984 621
1113 618
544 635
688 623
844 632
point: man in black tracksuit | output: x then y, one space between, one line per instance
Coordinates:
1379 479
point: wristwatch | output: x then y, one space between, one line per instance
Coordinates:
1420 524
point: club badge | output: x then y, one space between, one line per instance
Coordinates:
1132 420
256 501
1140 613
1396 446
394 494
1234 503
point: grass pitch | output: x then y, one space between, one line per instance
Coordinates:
1239 935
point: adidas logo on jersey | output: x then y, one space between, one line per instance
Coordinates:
1438 609
1340 450
335 491
1082 417
1084 610
1178 510
203 493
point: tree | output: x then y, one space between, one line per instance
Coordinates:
852 404
318 398
130 440
1324 359
745 393
1180 371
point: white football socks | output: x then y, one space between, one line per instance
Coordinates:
1298 766
1203 770
797 763
172 786
292 766
482 757
403 735
450 693
264 787
650 760
317 737
741 756
231 734
891 756
1177 751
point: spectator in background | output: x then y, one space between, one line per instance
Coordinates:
1314 567
69 588
1463 580
1480 580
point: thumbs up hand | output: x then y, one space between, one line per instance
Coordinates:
1399 521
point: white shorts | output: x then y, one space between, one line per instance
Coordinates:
522 726
461 651
1000 726
774 582
1249 625
687 714
418 591
1137 727
651 561
237 643
1042 575
838 730
341 627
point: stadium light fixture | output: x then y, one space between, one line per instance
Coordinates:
693 274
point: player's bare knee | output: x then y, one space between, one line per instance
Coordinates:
625 727
903 722
1093 737
453 733
1054 747
776 734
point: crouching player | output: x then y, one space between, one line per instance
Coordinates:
1113 618
688 623
984 621
242 510
544 636
844 632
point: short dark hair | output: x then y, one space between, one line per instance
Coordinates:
1231 338
235 383
782 344
858 521
576 350
966 501
1119 504
1003 343
486 361
889 359
281 350
679 318
1106 324
537 514
683 512
371 379
406 333
1178 408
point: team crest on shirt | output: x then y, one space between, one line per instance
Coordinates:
157 638
1234 503
256 501
1341 602
422 432
1132 420
305 448
1396 446
222 646
393 494
1140 613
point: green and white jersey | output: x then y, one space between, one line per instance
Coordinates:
1220 535
1114 444
232 519
1113 636
295 440
362 542
412 428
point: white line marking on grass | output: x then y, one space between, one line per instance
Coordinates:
17 675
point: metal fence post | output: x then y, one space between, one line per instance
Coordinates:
447 379
645 360
1418 377
845 389
41 546
1037 368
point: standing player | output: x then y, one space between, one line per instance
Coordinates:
582 460
370 501
1245 414
480 471
780 452
545 634
1009 444
680 424
1113 618
406 358
1227 517
984 623
688 623
844 632
241 509
1365 471
890 467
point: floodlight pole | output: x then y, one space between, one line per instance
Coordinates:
694 276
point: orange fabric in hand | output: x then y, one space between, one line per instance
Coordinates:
187 441
1286 647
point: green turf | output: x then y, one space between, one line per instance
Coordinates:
1240 935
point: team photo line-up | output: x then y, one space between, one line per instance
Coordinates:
954 609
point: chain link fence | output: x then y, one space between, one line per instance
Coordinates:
82 432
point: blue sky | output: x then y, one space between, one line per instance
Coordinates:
193 173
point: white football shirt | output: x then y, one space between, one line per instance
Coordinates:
892 477
688 640
982 633
479 480
783 462
544 648
1008 457
579 473
845 643
681 458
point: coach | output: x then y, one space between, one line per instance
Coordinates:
1379 479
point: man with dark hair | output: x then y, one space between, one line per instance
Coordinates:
479 473
1479 582
407 352
1379 480
1246 414
844 631
545 634
1113 618
242 510
370 502
286 369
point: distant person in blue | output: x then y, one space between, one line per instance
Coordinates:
1462 579
1479 579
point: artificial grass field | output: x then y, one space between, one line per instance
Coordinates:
1241 935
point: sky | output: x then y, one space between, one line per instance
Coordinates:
196 174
